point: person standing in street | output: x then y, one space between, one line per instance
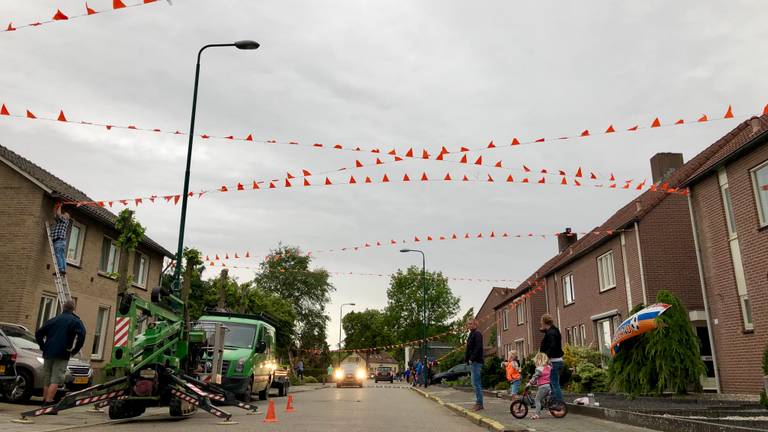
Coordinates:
59 237
330 374
300 369
59 338
474 357
552 346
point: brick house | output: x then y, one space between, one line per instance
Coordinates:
27 196
729 207
593 281
487 320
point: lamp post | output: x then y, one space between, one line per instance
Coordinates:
424 344
243 45
341 316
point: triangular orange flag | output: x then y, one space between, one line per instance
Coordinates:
479 160
10 27
498 164
385 179
592 176
255 185
703 118
398 158
287 183
367 179
30 115
463 159
578 172
729 113
656 123
352 180
88 10
585 133
610 129
543 180
406 178
540 140
307 183
378 161
240 187
765 110
249 137
272 185
561 172
392 152
61 117
429 238
510 179
289 175
613 178
447 177
424 154
464 149
117 4
416 239
679 122
515 142
328 181
491 144
526 169
59 16
490 179
4 110
306 173
358 164
424 177
576 182
465 178
563 181
453 237
632 129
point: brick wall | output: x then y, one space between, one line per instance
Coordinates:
739 352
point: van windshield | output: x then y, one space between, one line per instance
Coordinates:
236 335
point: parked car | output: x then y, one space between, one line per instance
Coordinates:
384 373
7 364
29 366
350 374
456 372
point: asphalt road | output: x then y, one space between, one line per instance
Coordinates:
380 407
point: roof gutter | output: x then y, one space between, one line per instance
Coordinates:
737 153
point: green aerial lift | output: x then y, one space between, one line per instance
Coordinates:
169 363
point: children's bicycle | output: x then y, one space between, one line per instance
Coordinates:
519 408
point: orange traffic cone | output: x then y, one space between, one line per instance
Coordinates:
289 406
271 417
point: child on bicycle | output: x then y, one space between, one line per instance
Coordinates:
540 378
512 367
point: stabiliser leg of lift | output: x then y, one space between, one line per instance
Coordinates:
200 402
218 394
98 393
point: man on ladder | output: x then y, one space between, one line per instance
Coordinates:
59 237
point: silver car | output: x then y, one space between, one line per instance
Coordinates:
29 366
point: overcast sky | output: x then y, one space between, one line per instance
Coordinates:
386 74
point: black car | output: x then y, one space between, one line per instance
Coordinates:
7 364
456 372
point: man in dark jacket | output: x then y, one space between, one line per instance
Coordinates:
474 357
551 345
58 338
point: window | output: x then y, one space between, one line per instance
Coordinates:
568 296
733 240
506 319
568 336
102 319
760 184
605 271
520 348
576 339
110 256
520 314
75 244
605 335
49 308
140 270
583 330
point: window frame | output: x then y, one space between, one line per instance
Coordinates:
79 246
571 288
520 313
521 350
601 270
505 319
105 271
54 300
137 257
568 336
762 217
583 331
100 332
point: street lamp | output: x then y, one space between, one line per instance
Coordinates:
424 344
243 45
341 316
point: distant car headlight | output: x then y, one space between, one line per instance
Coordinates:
240 365
339 374
40 359
360 374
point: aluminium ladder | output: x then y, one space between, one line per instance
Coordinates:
62 286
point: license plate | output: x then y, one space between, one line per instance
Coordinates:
81 380
2 369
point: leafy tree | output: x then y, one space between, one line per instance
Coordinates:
404 303
666 359
366 329
130 233
286 274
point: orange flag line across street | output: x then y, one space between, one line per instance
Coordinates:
86 11
655 123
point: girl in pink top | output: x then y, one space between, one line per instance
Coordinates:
541 379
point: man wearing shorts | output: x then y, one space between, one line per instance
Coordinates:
58 338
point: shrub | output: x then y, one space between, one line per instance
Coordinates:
503 385
464 381
577 355
588 378
294 380
310 380
492 372
763 399
527 368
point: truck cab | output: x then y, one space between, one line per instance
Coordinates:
249 353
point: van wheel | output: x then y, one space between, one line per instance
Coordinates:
247 396
264 394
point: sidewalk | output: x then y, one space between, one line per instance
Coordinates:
496 415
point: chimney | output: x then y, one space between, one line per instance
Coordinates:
664 164
565 239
